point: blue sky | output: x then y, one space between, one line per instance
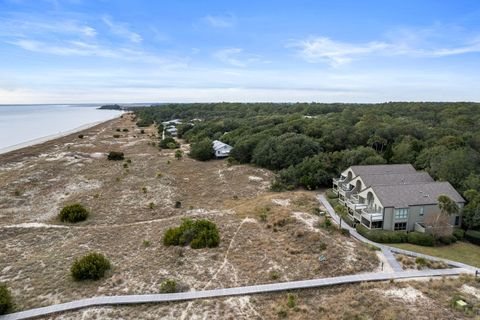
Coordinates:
79 51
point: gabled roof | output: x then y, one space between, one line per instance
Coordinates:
395 178
404 195
383 169
217 145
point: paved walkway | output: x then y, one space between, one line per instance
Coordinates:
247 290
388 250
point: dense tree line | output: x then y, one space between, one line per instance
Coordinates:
310 143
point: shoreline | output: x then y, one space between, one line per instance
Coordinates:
38 141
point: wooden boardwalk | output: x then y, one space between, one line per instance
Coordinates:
216 293
264 288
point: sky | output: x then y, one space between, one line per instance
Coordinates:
102 51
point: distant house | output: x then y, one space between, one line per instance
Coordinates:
221 149
172 130
392 197
173 122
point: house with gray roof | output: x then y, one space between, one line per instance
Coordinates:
393 197
221 149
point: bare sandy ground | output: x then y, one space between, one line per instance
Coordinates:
265 237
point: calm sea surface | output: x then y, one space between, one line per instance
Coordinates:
23 123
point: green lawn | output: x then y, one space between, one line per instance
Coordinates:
460 251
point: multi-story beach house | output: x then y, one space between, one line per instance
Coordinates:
393 197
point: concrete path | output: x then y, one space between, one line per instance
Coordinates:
388 250
247 290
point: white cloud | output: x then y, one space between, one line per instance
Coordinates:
323 49
226 21
31 25
337 53
122 30
79 48
236 57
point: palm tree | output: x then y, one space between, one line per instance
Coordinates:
447 206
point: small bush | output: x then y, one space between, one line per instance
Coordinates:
6 301
196 233
73 213
116 136
146 243
473 236
125 130
125 165
115 156
447 239
178 154
17 192
274 275
382 236
345 232
178 204
142 131
151 205
144 189
421 239
291 300
118 130
168 286
459 233
80 136
421 261
330 194
169 143
90 267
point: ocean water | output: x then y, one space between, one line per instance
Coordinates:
20 124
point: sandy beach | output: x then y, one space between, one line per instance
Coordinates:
42 140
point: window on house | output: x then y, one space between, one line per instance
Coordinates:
422 211
401 213
457 220
400 226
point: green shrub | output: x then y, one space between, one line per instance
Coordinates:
473 236
116 136
202 150
125 130
345 232
169 143
196 233
73 213
90 267
80 136
142 131
330 194
178 154
178 204
291 300
447 239
6 301
340 210
421 239
382 236
118 130
274 275
115 156
168 286
421 261
459 233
